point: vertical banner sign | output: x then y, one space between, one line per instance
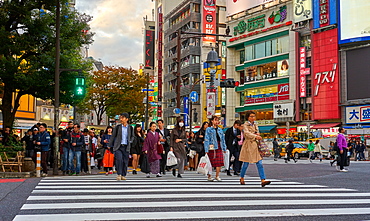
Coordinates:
324 13
209 20
160 59
186 111
325 79
302 10
149 48
211 104
302 67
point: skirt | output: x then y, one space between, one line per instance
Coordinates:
216 157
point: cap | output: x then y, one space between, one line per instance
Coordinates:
125 115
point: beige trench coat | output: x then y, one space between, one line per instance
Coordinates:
249 152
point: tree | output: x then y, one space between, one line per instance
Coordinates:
114 90
27 51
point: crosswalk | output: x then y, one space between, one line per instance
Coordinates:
98 197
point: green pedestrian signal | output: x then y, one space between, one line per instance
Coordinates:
80 86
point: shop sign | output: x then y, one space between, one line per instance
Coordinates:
324 13
283 110
325 82
278 16
302 10
302 86
283 130
302 68
211 104
358 114
282 94
209 20
265 122
302 58
149 48
253 24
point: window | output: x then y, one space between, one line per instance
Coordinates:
267 48
196 8
260 50
242 56
250 52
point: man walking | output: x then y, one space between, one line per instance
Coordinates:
121 140
232 137
343 149
77 141
43 141
166 134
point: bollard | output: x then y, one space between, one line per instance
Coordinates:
88 163
38 164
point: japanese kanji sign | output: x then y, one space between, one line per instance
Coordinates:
357 114
283 110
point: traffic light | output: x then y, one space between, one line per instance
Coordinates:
80 86
195 117
229 83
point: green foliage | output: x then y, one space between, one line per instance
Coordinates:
27 50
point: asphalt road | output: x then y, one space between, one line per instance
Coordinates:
299 191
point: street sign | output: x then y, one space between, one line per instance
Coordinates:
194 96
211 104
176 111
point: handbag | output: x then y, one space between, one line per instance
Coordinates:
204 166
145 167
196 147
160 148
227 159
171 159
108 159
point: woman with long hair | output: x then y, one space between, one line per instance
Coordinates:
105 141
178 142
137 147
214 145
150 148
249 152
199 139
192 153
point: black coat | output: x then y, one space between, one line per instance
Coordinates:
167 136
230 137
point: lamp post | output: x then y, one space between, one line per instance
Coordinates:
212 60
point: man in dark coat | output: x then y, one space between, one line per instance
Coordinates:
232 137
166 134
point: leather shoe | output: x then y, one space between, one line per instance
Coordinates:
264 183
228 173
236 173
173 172
242 181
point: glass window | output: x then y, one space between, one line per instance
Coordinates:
242 56
268 48
283 44
274 47
260 50
249 53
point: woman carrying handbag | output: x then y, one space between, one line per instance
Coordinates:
214 145
150 148
250 152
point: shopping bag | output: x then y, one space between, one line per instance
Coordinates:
171 159
92 161
227 159
145 167
108 159
204 166
160 149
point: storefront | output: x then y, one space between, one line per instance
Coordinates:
261 47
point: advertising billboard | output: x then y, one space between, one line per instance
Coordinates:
357 114
324 13
209 20
302 10
325 89
354 22
149 48
236 6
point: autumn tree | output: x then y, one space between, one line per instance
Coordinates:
114 90
27 51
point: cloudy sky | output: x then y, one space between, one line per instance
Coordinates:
118 27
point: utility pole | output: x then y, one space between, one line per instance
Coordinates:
178 76
56 89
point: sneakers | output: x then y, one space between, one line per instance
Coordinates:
147 175
343 170
72 173
118 177
218 179
44 175
179 176
159 175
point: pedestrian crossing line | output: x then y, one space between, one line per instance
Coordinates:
235 185
195 214
303 190
184 204
328 196
142 184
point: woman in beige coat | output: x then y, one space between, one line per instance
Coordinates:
249 152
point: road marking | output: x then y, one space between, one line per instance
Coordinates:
100 205
333 196
235 185
195 214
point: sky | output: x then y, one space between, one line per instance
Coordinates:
118 27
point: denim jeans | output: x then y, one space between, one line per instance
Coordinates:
261 171
71 156
65 163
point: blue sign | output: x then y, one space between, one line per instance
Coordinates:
194 96
329 18
186 111
177 111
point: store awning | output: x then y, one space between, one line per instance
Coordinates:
266 129
324 126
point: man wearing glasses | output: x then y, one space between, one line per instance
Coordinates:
121 140
43 141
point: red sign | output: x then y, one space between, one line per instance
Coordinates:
283 94
149 48
283 89
209 20
325 89
302 86
283 130
302 58
160 59
324 13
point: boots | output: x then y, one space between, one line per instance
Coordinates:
264 183
228 173
242 181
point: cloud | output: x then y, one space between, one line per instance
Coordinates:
118 27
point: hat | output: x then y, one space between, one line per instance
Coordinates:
86 130
126 115
35 128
